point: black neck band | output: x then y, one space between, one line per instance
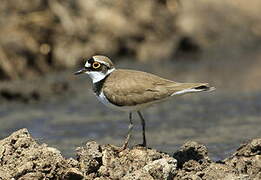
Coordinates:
97 87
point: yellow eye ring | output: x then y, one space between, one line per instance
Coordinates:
96 65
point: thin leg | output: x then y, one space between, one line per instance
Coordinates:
129 132
144 144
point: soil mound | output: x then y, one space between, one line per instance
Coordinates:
21 157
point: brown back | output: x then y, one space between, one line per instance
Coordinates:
129 87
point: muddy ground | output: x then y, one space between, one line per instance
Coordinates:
22 157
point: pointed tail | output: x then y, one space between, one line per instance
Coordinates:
184 88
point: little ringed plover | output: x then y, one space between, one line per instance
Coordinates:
132 91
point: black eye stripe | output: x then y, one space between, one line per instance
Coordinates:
91 61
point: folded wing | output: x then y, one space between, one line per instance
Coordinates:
131 88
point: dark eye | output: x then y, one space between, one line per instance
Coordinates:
96 65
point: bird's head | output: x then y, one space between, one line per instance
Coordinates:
97 67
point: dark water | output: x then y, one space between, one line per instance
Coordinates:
222 119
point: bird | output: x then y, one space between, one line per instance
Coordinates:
132 90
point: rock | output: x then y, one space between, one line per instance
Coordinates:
247 159
219 171
192 154
128 164
22 158
74 174
89 157
166 167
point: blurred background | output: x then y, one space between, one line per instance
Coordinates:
42 42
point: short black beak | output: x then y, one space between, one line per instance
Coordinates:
83 70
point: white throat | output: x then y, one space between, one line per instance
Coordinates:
98 76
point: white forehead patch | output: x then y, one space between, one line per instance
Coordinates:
87 64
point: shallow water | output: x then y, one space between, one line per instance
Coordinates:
222 119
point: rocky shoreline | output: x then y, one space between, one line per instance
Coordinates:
22 157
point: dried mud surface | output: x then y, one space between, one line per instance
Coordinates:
22 157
